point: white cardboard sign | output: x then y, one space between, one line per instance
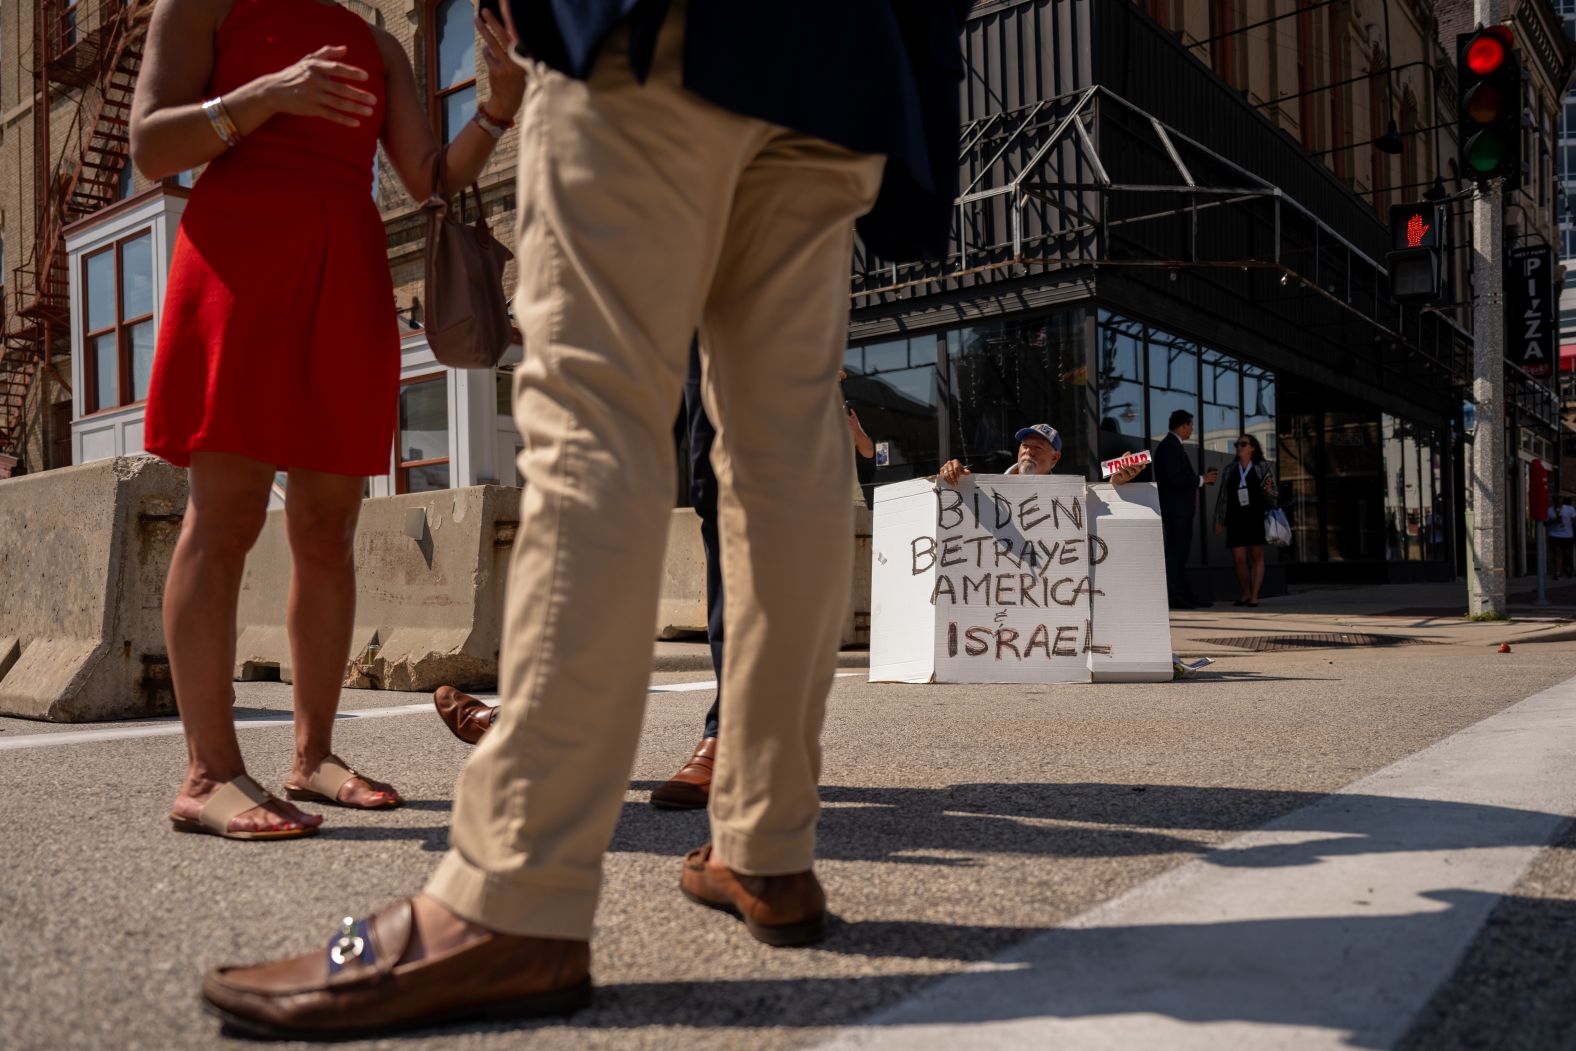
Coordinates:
1008 578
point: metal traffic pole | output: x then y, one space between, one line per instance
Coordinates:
1487 590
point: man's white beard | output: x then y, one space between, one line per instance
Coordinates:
1027 465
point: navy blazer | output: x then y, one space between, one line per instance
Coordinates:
1175 478
877 76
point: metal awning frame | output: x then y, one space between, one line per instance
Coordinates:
1325 265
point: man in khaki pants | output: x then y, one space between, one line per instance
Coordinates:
661 192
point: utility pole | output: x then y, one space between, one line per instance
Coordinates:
1488 384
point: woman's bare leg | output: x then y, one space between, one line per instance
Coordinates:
320 512
224 514
1244 581
1256 556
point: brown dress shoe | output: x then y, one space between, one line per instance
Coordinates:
463 714
690 788
358 986
777 910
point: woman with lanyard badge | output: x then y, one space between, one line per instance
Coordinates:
1247 491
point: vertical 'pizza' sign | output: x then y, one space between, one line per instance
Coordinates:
1529 309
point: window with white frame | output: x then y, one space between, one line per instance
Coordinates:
118 336
422 453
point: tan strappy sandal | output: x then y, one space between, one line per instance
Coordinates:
230 802
326 781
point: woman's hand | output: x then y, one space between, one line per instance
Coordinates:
1219 529
505 76
315 87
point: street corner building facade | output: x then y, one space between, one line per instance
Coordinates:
1162 205
1169 205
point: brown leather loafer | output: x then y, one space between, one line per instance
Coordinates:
467 717
359 986
777 910
690 788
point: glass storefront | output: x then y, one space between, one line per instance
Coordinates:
1008 374
1355 485
1414 520
896 388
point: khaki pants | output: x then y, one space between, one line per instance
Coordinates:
647 213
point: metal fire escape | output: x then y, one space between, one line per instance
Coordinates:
96 67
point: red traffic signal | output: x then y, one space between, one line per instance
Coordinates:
1488 71
1486 52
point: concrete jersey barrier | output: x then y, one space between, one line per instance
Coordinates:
84 552
83 555
430 575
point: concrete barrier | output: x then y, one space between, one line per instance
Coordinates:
430 571
682 609
83 553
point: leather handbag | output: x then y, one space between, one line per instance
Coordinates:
467 315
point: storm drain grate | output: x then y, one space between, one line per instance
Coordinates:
1316 640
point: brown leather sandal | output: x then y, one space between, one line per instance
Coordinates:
230 802
326 781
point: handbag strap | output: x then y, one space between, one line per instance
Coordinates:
441 191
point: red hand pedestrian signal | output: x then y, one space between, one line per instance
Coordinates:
1416 256
1416 229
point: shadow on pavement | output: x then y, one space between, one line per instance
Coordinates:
1272 972
911 825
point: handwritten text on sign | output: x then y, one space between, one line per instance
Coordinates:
1011 571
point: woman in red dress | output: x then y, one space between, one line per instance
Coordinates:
278 349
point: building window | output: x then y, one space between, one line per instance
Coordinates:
1121 386
1309 110
118 340
423 450
896 390
68 24
1228 48
452 67
1158 10
1380 174
1340 97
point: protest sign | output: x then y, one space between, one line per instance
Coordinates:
999 579
1131 617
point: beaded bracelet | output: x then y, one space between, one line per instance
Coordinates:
490 124
219 118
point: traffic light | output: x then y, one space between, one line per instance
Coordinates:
1416 256
1488 110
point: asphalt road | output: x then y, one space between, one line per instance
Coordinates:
959 822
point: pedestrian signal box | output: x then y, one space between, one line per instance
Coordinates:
1488 79
1416 256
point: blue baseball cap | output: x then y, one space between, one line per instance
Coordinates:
1043 430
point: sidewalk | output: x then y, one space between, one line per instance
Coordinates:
1379 615
1346 615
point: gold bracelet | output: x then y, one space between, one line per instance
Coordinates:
219 118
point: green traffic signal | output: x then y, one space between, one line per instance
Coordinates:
1485 152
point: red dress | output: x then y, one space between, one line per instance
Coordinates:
278 338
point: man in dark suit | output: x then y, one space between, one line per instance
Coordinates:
684 167
1179 484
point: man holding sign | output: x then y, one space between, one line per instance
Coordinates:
1039 451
